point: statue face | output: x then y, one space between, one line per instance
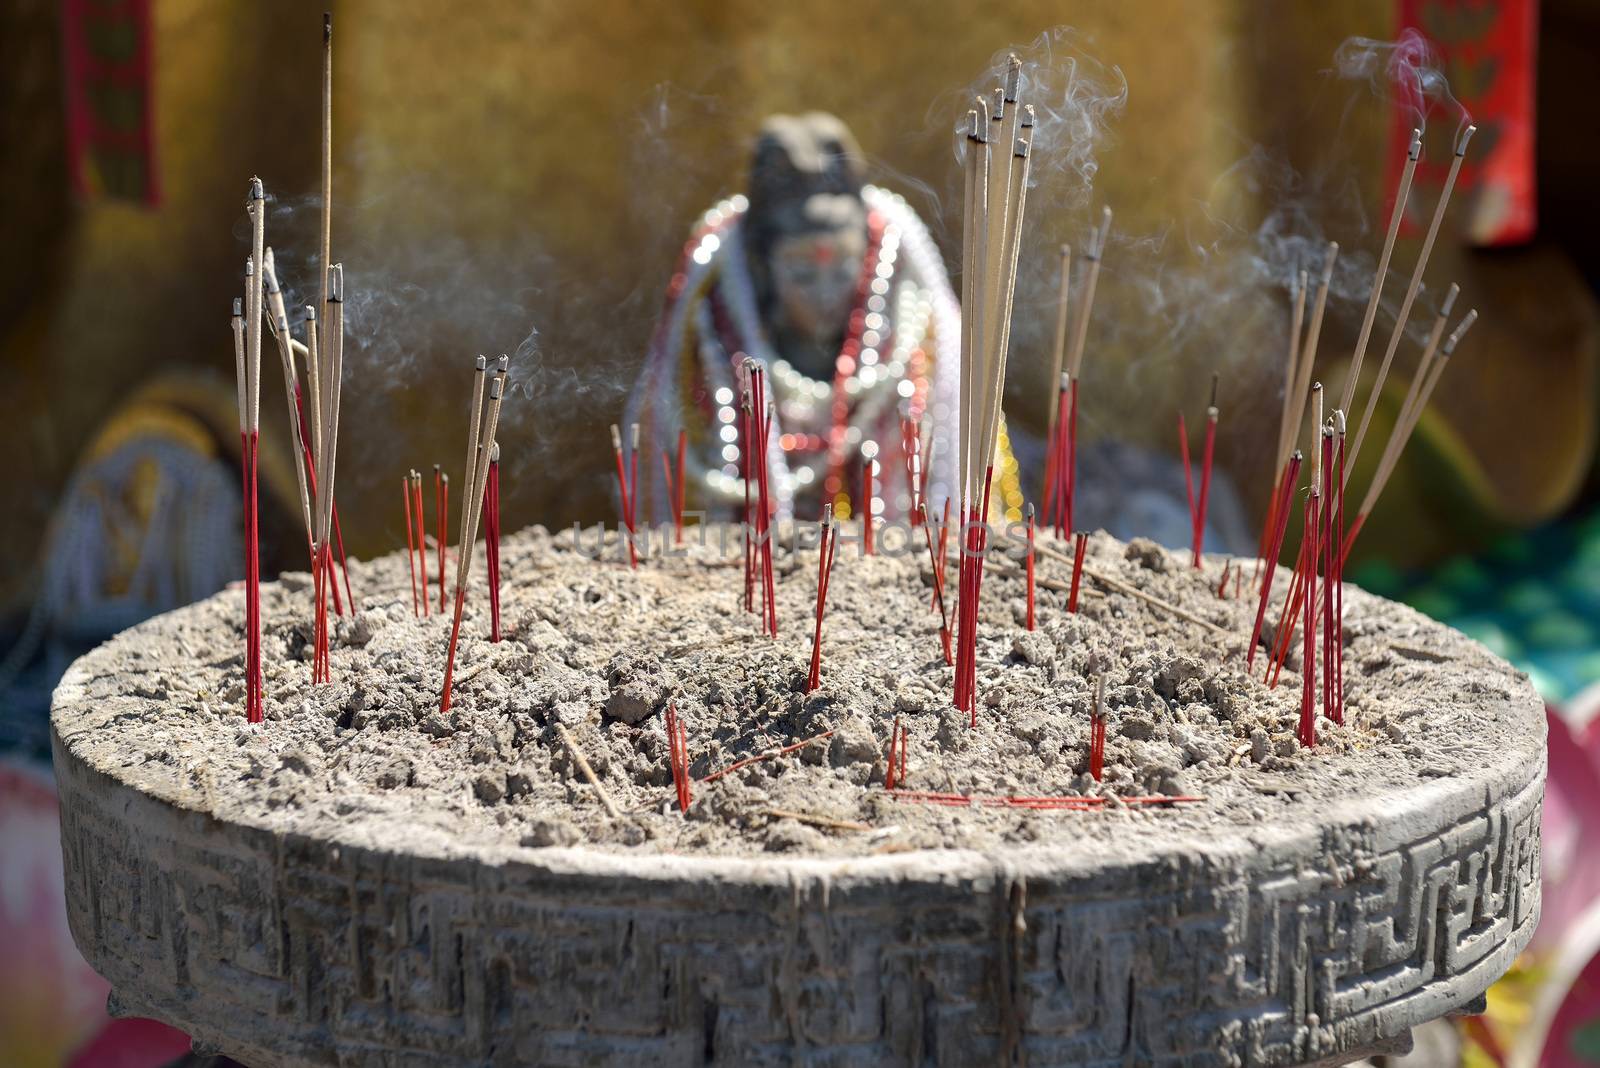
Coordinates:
814 278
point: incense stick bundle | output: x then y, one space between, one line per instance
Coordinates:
483 425
1411 295
277 320
997 164
255 207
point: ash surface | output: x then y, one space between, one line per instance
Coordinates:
601 649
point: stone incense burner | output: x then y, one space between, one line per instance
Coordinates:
360 881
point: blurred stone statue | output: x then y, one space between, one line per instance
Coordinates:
836 288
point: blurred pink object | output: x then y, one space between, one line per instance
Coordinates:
52 1004
1564 1028
1571 833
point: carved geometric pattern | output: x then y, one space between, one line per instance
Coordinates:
282 950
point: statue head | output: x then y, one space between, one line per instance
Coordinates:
806 230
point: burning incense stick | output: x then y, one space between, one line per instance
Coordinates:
472 507
256 207
1297 291
1308 356
241 384
325 259
1402 194
1411 295
333 376
997 181
1094 257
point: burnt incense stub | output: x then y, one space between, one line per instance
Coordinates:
360 880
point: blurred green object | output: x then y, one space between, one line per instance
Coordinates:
1532 598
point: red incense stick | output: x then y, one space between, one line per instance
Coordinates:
1097 730
1070 458
1308 669
761 417
1080 546
1274 548
1222 587
678 754
1338 585
411 558
938 584
492 540
1053 501
828 544
311 486
891 772
422 543
1188 471
672 495
441 506
747 465
1030 623
633 480
622 491
942 562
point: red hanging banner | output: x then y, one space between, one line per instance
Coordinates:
1487 52
110 129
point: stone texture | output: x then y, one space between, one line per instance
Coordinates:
1278 946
